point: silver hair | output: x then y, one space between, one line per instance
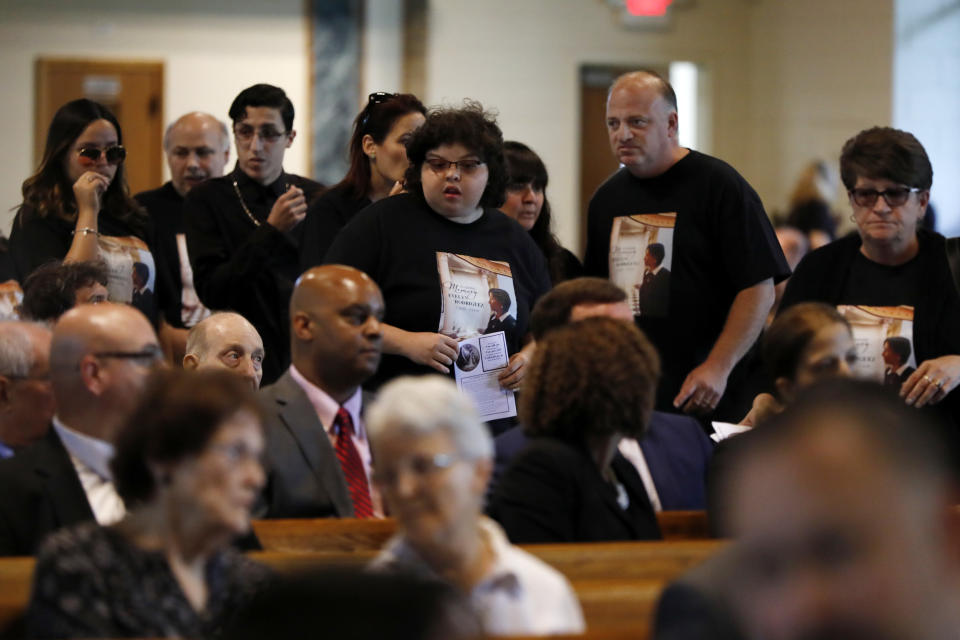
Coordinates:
224 131
16 351
427 404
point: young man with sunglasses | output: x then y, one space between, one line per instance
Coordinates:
244 231
893 262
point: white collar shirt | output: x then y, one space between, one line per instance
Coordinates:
91 460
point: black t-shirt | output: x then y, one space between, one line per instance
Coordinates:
165 208
396 240
722 243
244 267
36 240
880 285
325 217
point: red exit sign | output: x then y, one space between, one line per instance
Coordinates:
648 7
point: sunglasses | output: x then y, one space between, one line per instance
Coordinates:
91 155
373 100
895 197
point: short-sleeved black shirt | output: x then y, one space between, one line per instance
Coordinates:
244 267
325 217
396 240
722 243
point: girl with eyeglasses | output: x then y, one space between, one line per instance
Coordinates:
378 160
77 206
446 229
893 275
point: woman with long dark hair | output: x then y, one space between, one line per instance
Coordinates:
378 161
77 206
526 202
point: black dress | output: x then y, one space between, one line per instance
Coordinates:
90 582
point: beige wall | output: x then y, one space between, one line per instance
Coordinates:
787 80
211 49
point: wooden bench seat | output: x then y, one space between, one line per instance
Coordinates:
350 534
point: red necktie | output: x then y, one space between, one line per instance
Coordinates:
352 466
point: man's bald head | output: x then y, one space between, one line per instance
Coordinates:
100 357
226 340
335 315
26 400
198 148
643 79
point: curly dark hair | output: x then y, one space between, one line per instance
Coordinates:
49 191
177 417
885 153
595 377
471 127
51 290
376 120
790 334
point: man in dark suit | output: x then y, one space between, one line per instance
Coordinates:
26 400
100 358
318 455
896 358
654 290
675 451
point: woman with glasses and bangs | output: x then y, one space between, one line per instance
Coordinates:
526 202
455 181
378 161
77 206
893 265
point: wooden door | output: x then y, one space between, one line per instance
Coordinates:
597 161
133 91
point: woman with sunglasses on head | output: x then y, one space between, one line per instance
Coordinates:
446 224
378 160
526 202
892 262
77 207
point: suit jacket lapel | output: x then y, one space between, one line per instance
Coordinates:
67 498
300 418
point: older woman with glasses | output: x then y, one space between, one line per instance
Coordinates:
893 267
408 243
434 459
378 161
77 207
187 465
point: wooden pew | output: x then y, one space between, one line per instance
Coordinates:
349 534
618 583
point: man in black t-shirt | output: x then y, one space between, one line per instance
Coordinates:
197 147
721 252
244 231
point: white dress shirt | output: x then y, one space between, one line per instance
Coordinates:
91 459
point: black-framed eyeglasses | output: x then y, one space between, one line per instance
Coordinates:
114 155
378 97
267 133
148 355
894 197
419 466
466 166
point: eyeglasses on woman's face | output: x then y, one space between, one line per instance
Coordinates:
894 196
90 156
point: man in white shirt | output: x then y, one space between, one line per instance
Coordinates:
335 342
100 358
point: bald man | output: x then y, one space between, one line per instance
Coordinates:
100 358
335 327
26 399
226 340
197 146
719 248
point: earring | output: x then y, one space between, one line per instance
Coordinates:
853 218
